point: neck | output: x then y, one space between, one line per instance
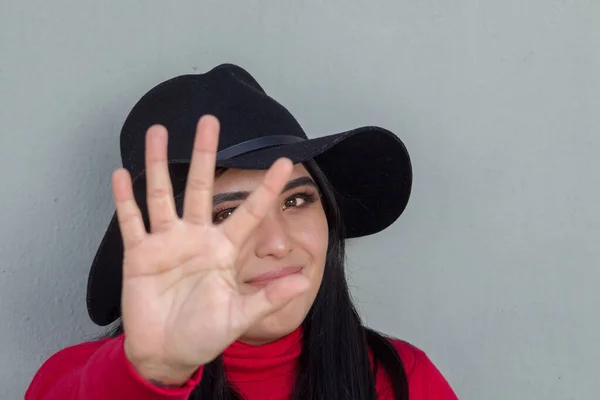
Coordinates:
260 341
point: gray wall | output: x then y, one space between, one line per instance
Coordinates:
494 267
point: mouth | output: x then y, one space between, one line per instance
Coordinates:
269 276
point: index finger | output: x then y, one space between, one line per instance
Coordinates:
250 213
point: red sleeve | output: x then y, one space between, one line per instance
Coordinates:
98 371
425 381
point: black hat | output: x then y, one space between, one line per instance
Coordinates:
368 167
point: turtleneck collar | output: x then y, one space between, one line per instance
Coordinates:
246 363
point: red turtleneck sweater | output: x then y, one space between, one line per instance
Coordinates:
99 370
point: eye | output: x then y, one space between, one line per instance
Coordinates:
299 200
222 215
295 201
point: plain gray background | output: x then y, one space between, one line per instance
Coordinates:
494 268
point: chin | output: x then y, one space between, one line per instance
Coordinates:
276 325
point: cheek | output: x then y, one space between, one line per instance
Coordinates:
312 234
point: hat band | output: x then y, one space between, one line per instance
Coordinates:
256 144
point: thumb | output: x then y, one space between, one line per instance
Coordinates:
273 297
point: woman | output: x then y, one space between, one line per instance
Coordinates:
224 264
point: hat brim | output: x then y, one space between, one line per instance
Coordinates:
369 169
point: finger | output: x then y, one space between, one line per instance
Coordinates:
161 206
273 297
129 216
197 205
249 214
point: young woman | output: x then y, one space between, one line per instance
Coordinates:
224 264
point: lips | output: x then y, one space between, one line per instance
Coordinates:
266 277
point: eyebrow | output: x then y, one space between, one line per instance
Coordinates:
243 195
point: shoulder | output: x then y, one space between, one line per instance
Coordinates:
61 365
72 354
425 381
411 356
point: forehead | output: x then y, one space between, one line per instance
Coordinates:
247 179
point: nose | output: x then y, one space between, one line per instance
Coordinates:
272 239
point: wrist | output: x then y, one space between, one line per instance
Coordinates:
160 373
163 375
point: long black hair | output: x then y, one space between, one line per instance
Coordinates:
334 363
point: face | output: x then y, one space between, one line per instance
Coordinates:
292 238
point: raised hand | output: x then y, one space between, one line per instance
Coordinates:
181 304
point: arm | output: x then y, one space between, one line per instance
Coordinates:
99 370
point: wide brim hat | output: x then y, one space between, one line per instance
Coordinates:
368 167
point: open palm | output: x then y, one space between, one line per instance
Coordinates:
181 304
